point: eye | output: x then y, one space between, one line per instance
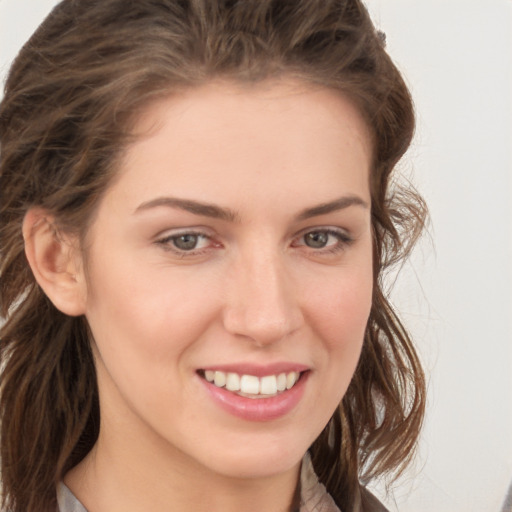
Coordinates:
331 240
317 239
188 242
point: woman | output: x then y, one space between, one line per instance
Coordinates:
196 214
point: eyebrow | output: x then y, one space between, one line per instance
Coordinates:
332 206
217 212
195 207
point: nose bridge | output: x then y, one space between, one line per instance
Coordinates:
261 303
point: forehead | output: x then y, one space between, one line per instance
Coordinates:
223 104
266 137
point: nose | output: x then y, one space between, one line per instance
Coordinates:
261 300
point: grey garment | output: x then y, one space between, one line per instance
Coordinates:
313 494
66 500
507 504
313 497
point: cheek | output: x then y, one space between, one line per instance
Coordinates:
149 312
338 315
340 311
146 324
342 306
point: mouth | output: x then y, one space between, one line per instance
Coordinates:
252 386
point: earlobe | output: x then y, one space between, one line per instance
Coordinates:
55 262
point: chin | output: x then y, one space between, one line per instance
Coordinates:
257 458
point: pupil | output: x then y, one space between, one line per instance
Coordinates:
317 239
186 242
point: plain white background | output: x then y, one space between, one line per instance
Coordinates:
456 293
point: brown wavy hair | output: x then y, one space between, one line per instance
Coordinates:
70 99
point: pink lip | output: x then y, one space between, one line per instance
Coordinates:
257 409
258 370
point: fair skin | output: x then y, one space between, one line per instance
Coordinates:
236 238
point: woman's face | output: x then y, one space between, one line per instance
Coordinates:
234 249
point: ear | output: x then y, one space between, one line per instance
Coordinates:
56 262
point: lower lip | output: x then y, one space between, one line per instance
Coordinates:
258 409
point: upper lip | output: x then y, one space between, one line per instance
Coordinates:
258 370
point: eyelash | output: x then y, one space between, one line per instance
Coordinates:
167 244
343 241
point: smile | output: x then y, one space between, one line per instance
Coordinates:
251 386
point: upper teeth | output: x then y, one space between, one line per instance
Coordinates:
251 385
